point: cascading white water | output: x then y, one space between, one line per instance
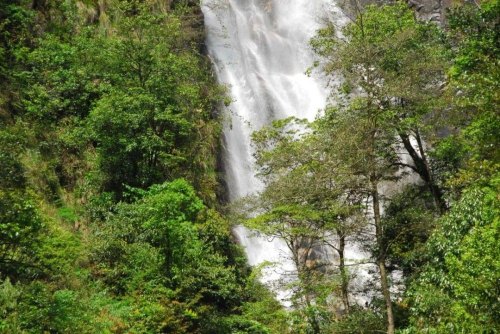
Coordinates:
260 50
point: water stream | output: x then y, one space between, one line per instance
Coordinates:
260 50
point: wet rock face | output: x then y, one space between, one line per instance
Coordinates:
430 10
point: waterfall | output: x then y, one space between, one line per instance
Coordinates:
260 50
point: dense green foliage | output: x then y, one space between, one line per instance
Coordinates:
457 287
109 138
416 100
108 149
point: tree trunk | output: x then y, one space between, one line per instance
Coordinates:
435 190
387 295
343 272
423 169
300 260
381 256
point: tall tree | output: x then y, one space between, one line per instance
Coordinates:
157 102
390 69
307 206
386 54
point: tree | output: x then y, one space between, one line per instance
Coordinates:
157 103
361 142
157 246
399 62
385 96
305 204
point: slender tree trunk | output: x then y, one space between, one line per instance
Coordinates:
387 295
300 259
381 256
343 272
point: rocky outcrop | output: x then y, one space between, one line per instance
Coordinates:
430 10
427 10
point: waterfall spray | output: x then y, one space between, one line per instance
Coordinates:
260 50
